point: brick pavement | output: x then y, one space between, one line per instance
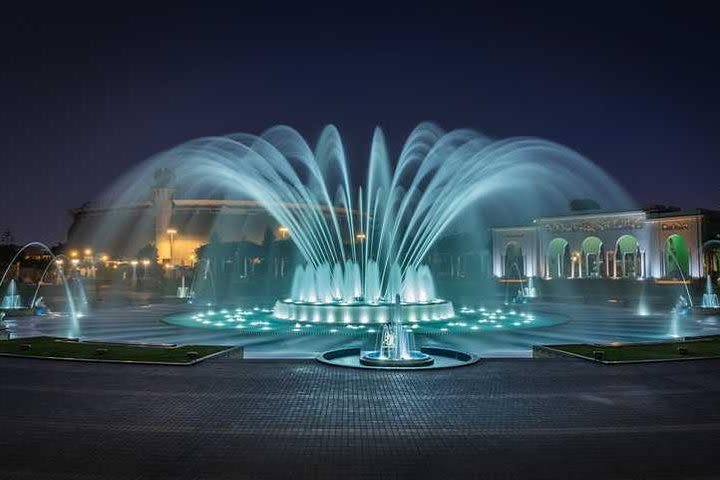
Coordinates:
261 419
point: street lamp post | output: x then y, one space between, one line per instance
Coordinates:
172 232
89 262
133 276
59 263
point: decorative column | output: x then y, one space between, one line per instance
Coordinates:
607 264
560 266
614 266
580 272
642 263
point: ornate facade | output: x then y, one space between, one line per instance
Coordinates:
636 244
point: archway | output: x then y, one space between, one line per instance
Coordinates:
627 257
514 261
558 259
591 257
711 258
677 257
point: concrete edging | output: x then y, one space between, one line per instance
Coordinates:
555 353
224 352
343 352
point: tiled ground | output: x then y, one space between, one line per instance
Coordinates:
231 419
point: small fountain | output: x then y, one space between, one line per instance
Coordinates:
183 291
396 345
530 290
710 298
81 305
11 300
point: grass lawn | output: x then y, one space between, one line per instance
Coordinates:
58 347
706 347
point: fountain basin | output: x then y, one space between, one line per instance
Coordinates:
701 310
441 358
362 313
413 359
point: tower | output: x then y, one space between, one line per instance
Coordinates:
162 199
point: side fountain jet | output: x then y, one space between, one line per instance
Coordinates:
396 345
11 300
710 298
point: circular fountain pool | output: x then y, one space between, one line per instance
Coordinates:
262 321
432 358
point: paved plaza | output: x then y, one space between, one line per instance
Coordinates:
225 418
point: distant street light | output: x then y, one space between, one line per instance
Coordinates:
172 232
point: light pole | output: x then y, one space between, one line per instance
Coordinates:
172 232
75 262
59 262
89 262
133 278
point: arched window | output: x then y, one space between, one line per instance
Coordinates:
514 261
558 259
677 257
711 257
627 257
591 258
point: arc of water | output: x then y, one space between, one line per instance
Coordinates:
682 276
403 211
309 160
313 223
280 208
42 277
68 294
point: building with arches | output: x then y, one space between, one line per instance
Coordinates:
651 243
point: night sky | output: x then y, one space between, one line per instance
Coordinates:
86 94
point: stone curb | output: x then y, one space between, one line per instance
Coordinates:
550 352
227 352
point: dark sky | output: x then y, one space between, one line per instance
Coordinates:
85 94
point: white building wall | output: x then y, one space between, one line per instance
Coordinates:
690 228
526 238
650 233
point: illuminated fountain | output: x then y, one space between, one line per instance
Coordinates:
183 291
11 300
340 294
362 243
710 298
396 345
